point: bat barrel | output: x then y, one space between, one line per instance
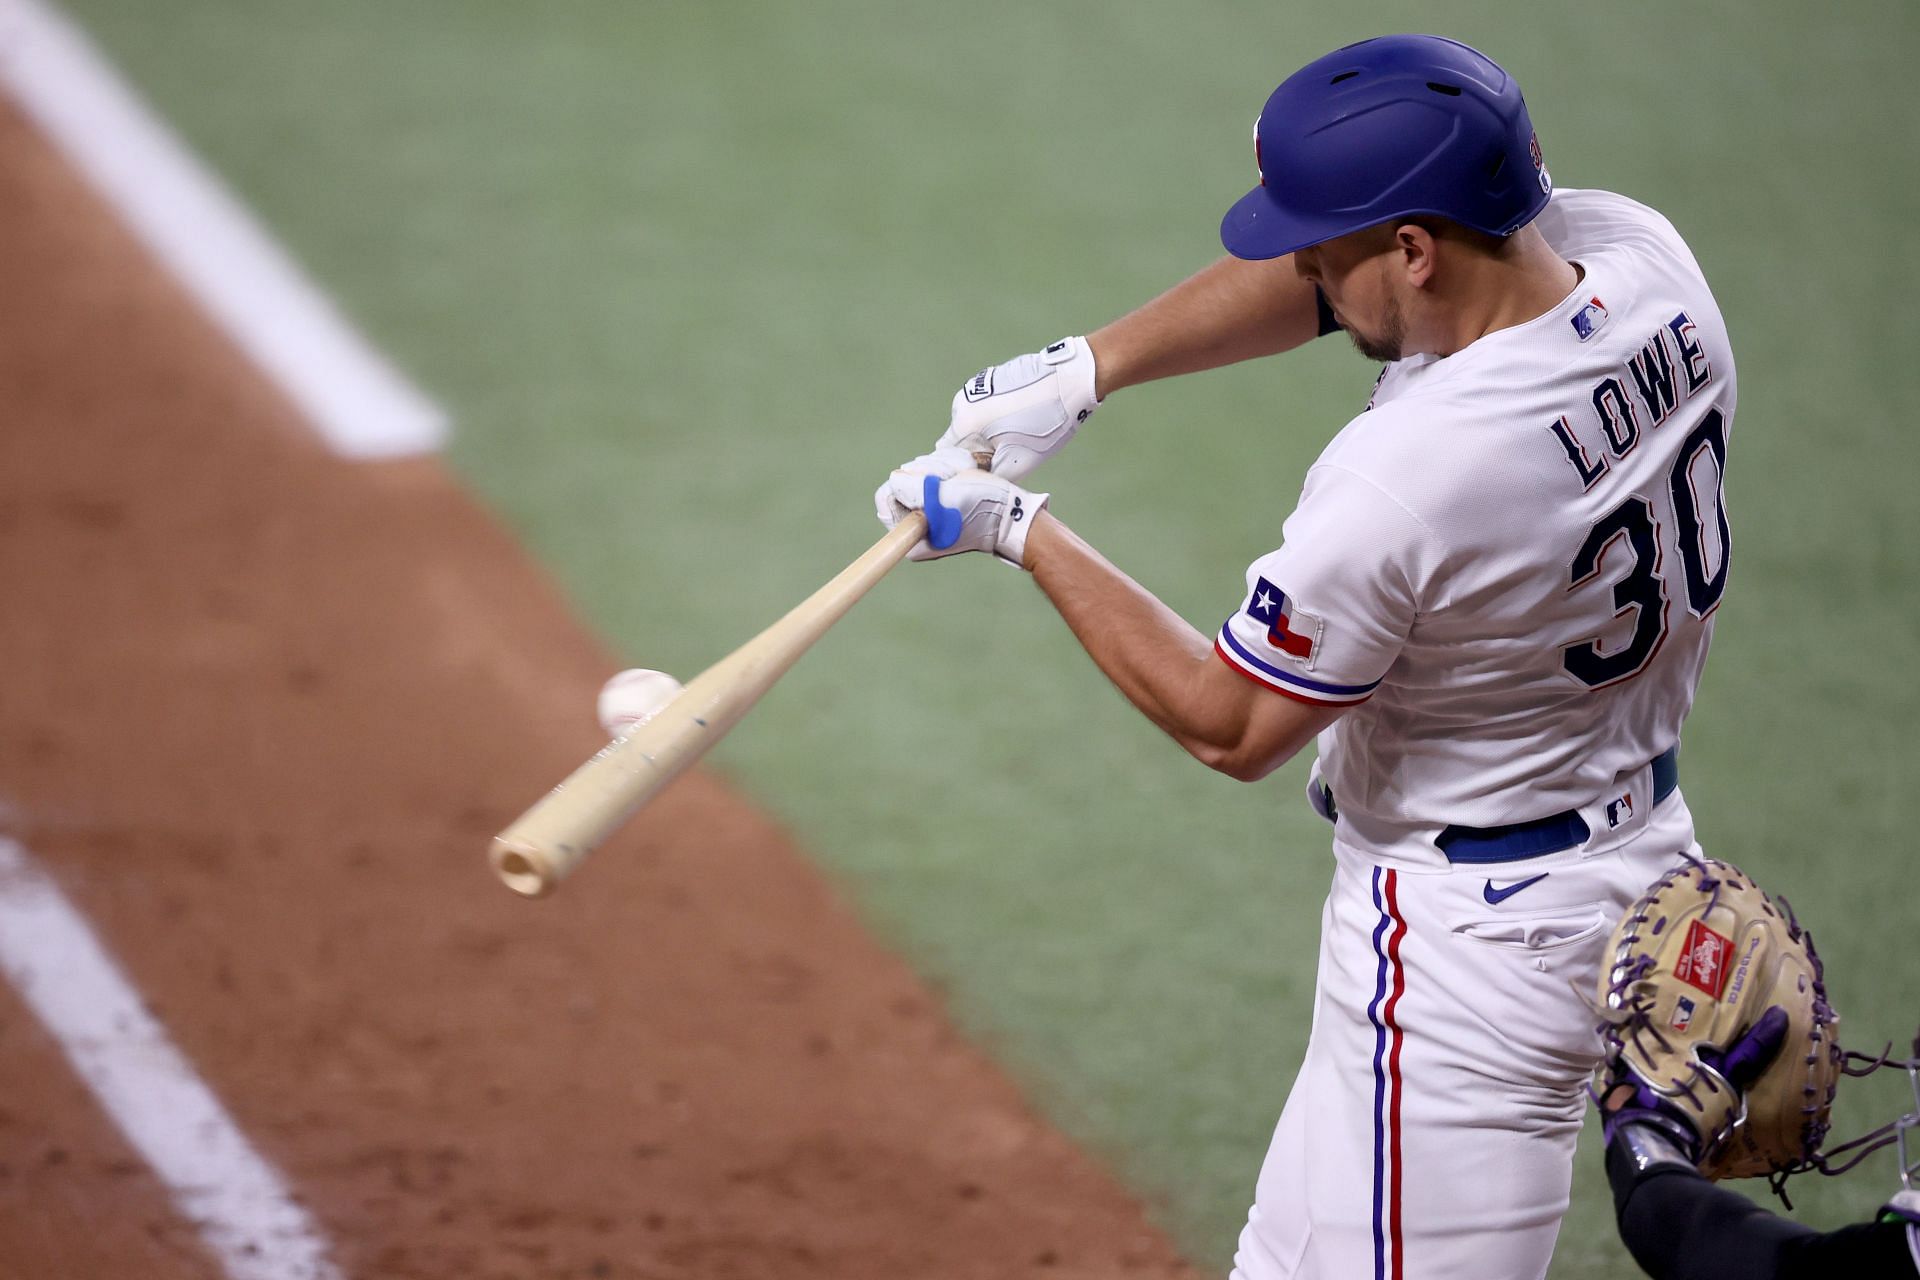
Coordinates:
550 839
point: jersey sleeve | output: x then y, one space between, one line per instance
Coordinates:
1326 614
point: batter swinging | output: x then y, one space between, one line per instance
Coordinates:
1491 606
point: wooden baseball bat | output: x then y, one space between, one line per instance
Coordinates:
549 840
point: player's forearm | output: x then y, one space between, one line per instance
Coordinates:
1233 310
1154 657
1677 1224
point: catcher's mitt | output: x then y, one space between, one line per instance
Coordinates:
1693 967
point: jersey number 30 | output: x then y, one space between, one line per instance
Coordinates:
1642 589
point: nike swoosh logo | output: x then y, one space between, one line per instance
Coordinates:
1497 896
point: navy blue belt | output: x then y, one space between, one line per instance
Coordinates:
1542 835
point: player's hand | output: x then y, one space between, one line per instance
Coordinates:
1025 410
1629 1099
995 513
942 462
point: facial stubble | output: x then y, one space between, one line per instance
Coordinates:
1387 345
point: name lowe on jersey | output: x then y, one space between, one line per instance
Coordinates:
1510 561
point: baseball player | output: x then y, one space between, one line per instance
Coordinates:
1490 607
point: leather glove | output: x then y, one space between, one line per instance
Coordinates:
1025 410
1715 1013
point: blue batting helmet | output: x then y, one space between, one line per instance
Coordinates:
1389 128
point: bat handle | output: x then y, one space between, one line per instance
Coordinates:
943 522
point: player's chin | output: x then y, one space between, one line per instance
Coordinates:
1380 350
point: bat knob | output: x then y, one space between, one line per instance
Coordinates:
943 523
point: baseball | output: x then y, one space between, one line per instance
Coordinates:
632 697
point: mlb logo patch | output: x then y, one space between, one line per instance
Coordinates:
1291 630
1618 811
1682 1015
1703 964
1588 319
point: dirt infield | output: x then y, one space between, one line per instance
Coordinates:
260 711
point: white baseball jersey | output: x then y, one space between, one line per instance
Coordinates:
1509 563
1508 567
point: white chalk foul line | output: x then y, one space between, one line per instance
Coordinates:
218 1181
245 280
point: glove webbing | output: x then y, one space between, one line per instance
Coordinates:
1857 1149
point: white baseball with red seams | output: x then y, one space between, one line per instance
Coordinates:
1507 566
633 697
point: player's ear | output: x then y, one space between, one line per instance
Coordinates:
1414 247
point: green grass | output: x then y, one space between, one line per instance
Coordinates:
692 277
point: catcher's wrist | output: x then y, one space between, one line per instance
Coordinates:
1650 1139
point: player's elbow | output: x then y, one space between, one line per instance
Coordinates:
1239 761
1253 770
1244 729
1260 744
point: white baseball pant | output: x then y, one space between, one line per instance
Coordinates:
1431 1130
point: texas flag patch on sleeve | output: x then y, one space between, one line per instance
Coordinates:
1274 642
1290 629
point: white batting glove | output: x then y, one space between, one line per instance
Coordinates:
994 513
941 462
1025 410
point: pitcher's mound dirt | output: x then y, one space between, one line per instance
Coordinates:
259 712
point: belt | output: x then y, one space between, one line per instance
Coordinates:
1543 835
1540 836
